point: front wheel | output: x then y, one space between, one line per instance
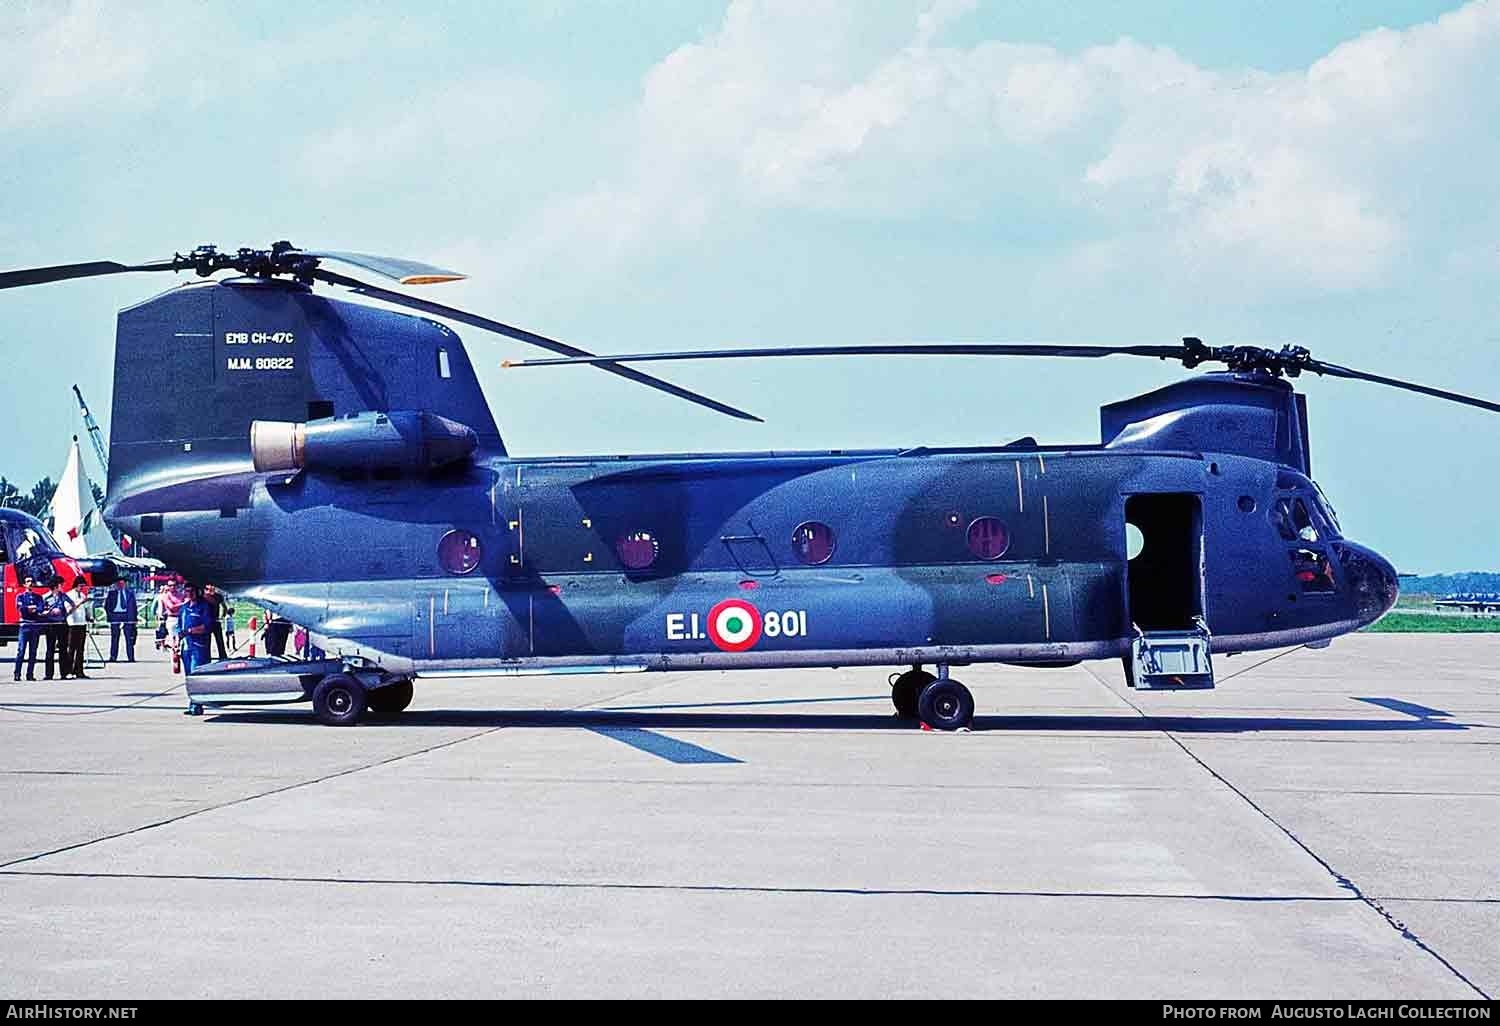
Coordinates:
946 705
339 700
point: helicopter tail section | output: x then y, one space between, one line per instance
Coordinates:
196 366
1245 414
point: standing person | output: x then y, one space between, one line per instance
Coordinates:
215 599
172 602
159 614
78 627
229 625
195 627
55 609
120 610
33 626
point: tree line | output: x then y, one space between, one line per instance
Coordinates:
34 503
37 500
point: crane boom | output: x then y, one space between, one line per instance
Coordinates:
95 435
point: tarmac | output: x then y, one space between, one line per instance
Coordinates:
1323 825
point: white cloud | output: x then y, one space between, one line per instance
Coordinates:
1331 177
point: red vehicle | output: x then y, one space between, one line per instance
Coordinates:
27 549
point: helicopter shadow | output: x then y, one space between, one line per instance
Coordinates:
668 719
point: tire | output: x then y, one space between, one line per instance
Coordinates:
946 705
1128 662
906 689
391 699
339 700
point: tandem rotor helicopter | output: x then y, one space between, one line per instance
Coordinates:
337 463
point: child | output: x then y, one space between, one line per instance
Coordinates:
229 641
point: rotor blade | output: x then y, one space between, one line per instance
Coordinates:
918 349
530 337
63 272
1335 371
406 272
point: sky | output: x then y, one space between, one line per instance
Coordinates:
681 174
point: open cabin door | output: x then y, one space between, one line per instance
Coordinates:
1165 592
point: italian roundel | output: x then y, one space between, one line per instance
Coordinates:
734 625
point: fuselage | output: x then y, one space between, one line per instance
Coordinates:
876 557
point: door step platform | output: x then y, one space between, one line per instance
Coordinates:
1171 660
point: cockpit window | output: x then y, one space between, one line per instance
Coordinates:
1281 516
1313 570
27 541
1326 508
1302 520
1295 521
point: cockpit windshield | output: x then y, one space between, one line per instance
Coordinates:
1326 508
28 543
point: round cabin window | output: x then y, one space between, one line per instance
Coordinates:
637 550
988 538
458 552
813 543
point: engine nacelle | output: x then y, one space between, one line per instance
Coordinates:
372 439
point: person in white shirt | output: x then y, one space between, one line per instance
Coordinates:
78 629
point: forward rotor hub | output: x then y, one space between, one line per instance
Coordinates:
1289 361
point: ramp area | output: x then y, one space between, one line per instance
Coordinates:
1322 825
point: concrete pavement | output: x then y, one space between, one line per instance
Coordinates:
1323 825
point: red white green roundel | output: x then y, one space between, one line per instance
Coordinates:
734 625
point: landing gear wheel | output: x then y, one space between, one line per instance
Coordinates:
906 689
1128 662
339 700
391 699
946 705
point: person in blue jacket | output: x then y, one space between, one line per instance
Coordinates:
56 605
33 626
195 627
120 608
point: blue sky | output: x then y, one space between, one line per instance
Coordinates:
683 174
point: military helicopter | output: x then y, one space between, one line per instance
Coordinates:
337 463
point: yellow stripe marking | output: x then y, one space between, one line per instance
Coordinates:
1046 613
1020 492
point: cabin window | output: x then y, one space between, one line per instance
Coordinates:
813 542
988 538
637 550
459 552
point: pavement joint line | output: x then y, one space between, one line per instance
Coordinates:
929 892
1342 880
242 800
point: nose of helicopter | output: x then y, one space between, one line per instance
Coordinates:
1372 581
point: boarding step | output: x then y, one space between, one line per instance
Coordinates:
1172 660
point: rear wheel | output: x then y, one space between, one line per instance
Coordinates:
391 699
339 700
906 689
